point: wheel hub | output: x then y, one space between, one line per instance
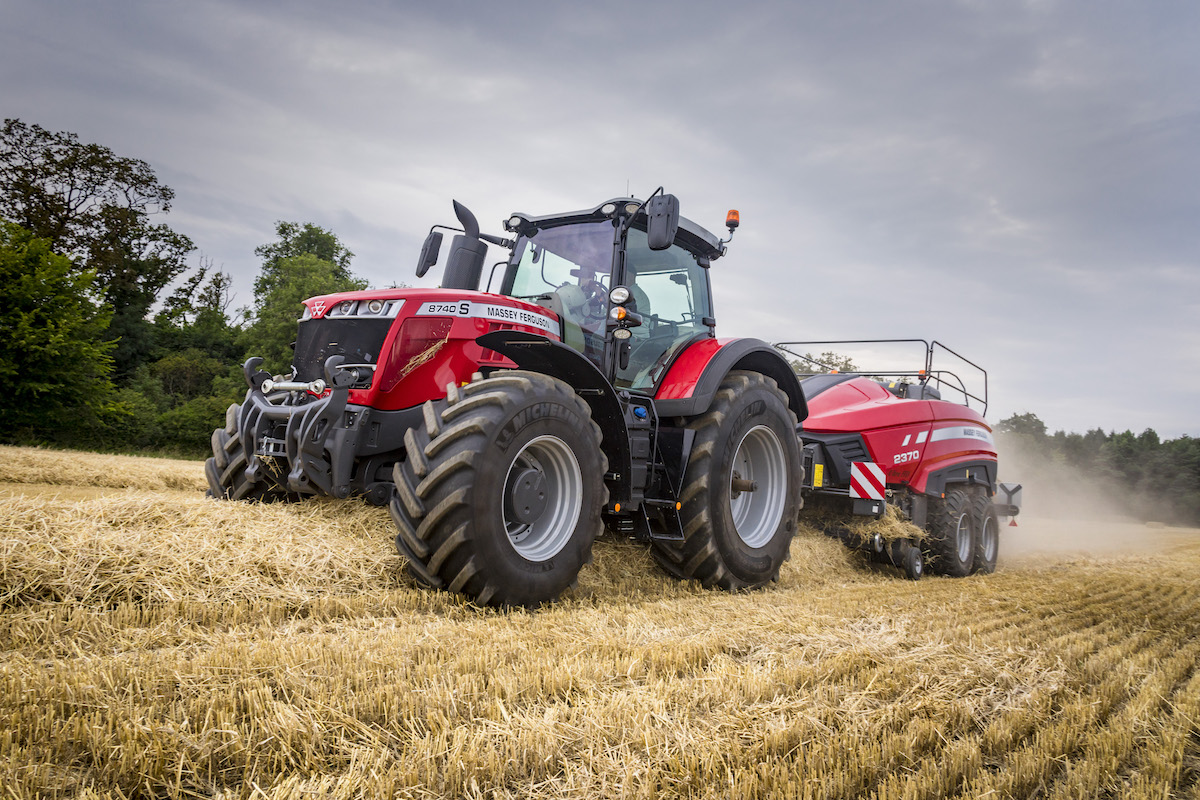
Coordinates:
962 533
543 498
526 501
758 486
740 484
990 538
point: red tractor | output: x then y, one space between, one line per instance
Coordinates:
504 428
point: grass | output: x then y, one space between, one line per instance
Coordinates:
66 468
156 643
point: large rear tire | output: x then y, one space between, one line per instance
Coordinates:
226 469
987 531
500 495
741 489
950 546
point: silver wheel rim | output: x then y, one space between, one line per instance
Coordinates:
759 458
962 537
991 538
544 537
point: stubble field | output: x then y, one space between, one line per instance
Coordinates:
154 643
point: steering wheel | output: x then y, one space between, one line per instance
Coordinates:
596 306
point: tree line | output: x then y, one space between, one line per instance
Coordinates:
1147 477
113 339
116 335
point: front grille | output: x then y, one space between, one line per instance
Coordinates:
357 340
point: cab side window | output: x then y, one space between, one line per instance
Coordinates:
670 292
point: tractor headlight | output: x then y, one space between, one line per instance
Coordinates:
619 295
375 306
608 209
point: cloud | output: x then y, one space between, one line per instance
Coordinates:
1017 180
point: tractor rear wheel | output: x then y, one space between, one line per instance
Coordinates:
950 545
987 530
741 489
500 495
226 470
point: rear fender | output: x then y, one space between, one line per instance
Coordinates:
689 386
962 472
539 354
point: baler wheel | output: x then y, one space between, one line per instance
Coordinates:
741 489
950 546
987 530
914 563
500 494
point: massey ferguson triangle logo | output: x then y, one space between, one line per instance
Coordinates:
318 308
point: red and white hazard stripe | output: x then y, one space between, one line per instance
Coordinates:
866 480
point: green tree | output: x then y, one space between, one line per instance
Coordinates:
1147 477
298 239
95 207
134 270
69 192
55 362
187 374
278 309
134 424
187 428
829 361
1026 424
195 316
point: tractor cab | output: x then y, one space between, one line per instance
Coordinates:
631 292
506 422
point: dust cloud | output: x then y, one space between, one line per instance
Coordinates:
1065 515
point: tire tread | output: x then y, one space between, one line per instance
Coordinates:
433 505
941 551
698 556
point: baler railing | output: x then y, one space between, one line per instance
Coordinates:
941 378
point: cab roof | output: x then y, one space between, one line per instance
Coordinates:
690 236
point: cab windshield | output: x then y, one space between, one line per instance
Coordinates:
567 269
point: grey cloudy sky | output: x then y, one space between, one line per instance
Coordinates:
1020 180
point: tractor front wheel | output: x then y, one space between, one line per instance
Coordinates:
499 497
741 489
225 471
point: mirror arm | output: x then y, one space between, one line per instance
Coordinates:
629 219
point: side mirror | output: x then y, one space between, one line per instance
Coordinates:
429 252
662 213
